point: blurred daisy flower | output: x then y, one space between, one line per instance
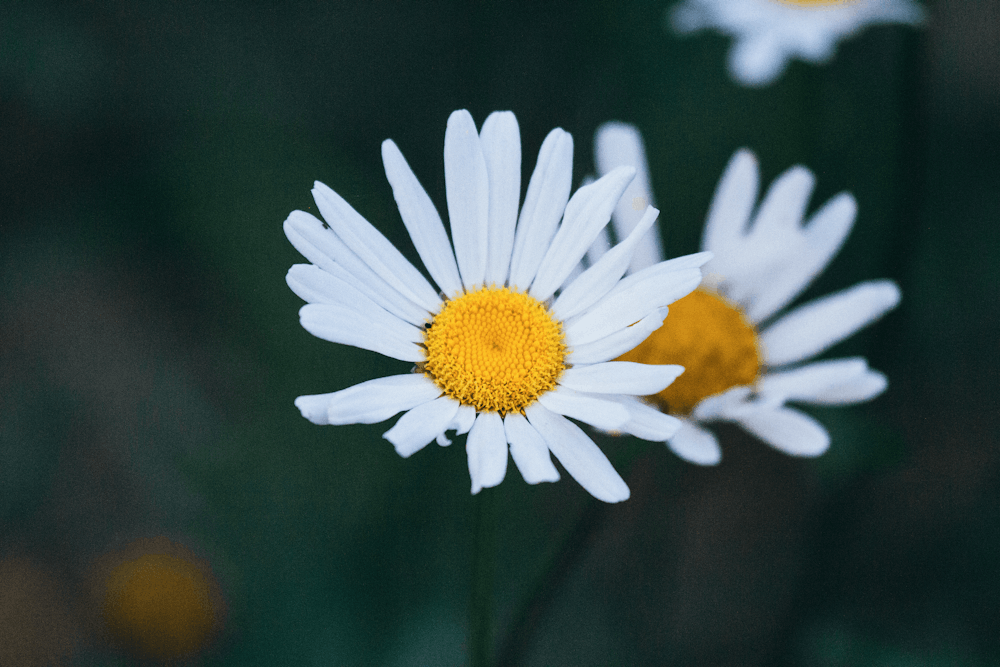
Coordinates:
743 361
769 33
498 354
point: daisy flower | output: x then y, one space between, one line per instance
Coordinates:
743 359
769 33
508 345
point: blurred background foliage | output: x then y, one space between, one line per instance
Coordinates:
150 350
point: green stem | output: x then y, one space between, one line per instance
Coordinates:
483 567
564 558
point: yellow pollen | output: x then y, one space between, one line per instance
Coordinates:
494 349
712 339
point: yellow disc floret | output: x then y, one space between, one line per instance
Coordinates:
712 339
494 349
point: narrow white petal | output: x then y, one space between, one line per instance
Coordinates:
696 445
601 244
598 280
788 430
620 144
487 451
422 220
808 253
620 377
812 328
377 331
832 382
604 414
622 307
618 343
315 285
468 189
645 421
587 212
374 249
529 451
783 207
419 426
757 61
314 406
325 249
501 140
376 400
578 454
857 390
728 405
463 420
732 204
544 203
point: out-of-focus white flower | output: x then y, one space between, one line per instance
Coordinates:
769 33
509 344
743 361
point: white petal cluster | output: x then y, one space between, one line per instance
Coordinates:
764 257
361 291
769 33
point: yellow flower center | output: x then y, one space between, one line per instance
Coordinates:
160 606
712 339
816 3
494 349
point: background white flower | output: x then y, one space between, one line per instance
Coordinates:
769 33
742 363
498 355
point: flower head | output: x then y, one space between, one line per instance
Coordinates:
743 360
769 33
512 341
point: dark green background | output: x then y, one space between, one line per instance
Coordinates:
149 152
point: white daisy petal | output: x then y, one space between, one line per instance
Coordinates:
831 382
618 343
468 190
695 445
628 303
544 203
324 249
645 421
783 207
620 377
315 285
487 451
463 421
757 61
419 426
806 258
604 414
600 278
587 212
620 144
578 454
314 407
597 249
788 430
374 249
375 330
729 212
812 328
377 400
529 451
728 405
501 140
422 220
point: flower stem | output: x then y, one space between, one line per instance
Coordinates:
484 530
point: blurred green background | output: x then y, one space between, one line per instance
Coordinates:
150 350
